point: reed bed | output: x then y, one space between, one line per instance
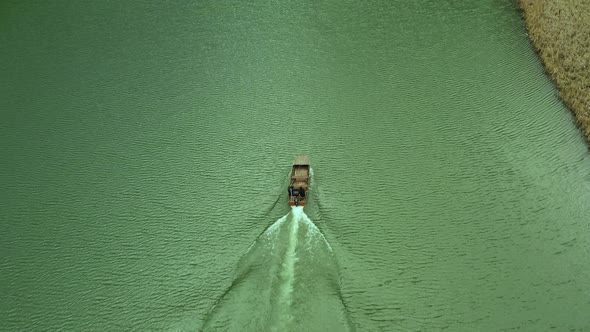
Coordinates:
560 31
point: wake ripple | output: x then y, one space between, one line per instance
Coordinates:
288 280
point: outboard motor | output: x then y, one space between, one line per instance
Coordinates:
296 201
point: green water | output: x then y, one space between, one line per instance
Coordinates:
145 149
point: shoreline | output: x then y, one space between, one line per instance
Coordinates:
560 33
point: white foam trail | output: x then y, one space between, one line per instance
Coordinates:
274 227
314 231
270 274
288 274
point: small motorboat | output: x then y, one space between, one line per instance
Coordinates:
299 183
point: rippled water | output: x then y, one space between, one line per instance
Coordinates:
145 147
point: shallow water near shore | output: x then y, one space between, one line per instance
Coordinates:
145 146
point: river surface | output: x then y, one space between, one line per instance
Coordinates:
145 150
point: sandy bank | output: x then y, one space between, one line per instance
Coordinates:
560 31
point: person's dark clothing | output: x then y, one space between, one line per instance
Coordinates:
301 192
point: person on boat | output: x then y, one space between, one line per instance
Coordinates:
291 190
301 192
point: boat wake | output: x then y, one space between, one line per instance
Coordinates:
288 280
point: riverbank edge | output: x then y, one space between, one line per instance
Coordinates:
560 33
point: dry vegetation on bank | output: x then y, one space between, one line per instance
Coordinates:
560 31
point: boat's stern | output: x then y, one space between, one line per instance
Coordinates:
296 201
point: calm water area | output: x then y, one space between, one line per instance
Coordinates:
146 147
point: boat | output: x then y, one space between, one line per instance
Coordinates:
299 183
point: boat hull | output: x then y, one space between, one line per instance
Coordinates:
299 181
